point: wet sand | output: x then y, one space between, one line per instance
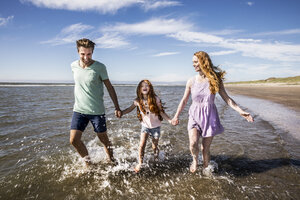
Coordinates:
287 95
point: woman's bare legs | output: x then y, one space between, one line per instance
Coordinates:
194 148
205 146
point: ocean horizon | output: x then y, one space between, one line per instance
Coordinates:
71 83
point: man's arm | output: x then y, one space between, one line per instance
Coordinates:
113 96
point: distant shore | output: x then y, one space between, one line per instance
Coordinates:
285 94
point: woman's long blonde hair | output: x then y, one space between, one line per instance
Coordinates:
151 101
214 74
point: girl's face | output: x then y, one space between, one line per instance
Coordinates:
145 88
196 64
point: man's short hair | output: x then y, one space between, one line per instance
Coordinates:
86 43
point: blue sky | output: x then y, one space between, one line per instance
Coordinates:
138 39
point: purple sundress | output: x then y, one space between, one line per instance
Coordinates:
203 114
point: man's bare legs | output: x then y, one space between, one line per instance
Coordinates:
194 148
75 140
107 145
143 141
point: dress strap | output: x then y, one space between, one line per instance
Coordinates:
193 81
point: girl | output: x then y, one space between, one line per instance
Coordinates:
203 115
150 112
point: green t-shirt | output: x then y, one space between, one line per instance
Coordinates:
88 88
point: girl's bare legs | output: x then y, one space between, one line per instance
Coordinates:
194 148
206 142
143 141
155 148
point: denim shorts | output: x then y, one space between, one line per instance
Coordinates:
153 132
80 122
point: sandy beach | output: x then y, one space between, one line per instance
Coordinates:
287 95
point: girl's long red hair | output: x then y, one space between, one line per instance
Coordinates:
151 101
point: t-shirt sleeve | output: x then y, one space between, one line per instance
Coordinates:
73 66
103 72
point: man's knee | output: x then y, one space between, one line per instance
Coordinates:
75 137
74 141
103 138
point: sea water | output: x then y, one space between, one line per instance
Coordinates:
259 160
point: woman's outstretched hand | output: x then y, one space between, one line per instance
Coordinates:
175 121
247 116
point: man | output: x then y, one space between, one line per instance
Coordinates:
89 76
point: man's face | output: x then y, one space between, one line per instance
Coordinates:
85 54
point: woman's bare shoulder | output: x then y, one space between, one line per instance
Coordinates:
190 82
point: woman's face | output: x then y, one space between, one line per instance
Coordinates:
196 63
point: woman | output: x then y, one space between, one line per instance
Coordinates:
203 115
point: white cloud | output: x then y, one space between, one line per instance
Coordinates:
197 37
109 41
69 34
271 51
114 37
249 40
283 32
226 32
156 26
74 32
4 21
150 5
249 3
165 54
103 6
181 30
221 53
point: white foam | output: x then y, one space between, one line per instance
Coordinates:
210 169
274 113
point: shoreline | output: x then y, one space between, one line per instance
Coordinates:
287 95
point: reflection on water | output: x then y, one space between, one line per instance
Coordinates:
255 161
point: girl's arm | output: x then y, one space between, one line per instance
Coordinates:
162 113
129 109
183 101
165 116
232 103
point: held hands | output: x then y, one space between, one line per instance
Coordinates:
247 116
171 122
175 121
118 113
